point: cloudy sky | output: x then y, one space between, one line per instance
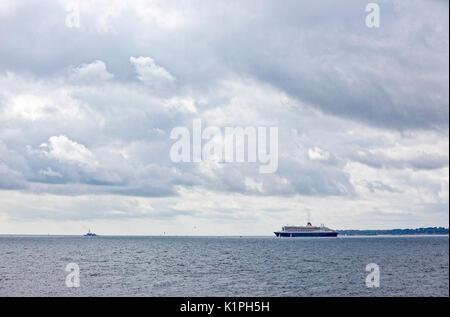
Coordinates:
90 91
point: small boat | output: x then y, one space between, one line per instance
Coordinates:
90 234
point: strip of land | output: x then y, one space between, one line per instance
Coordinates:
417 231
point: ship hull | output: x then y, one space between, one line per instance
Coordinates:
305 234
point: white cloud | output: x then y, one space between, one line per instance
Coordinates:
186 104
318 154
35 106
151 73
94 72
49 172
164 17
65 150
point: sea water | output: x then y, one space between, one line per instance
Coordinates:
223 266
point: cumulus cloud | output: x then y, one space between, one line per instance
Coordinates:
94 72
35 106
317 153
65 150
150 73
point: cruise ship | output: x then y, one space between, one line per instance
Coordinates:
308 231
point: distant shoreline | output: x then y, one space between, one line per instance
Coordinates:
397 232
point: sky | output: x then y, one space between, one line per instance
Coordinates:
91 90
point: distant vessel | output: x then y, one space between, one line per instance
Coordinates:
90 234
308 231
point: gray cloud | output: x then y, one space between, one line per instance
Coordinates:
423 161
394 76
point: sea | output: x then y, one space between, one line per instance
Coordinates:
224 266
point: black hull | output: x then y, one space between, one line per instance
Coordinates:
305 234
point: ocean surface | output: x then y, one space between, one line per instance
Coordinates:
224 266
